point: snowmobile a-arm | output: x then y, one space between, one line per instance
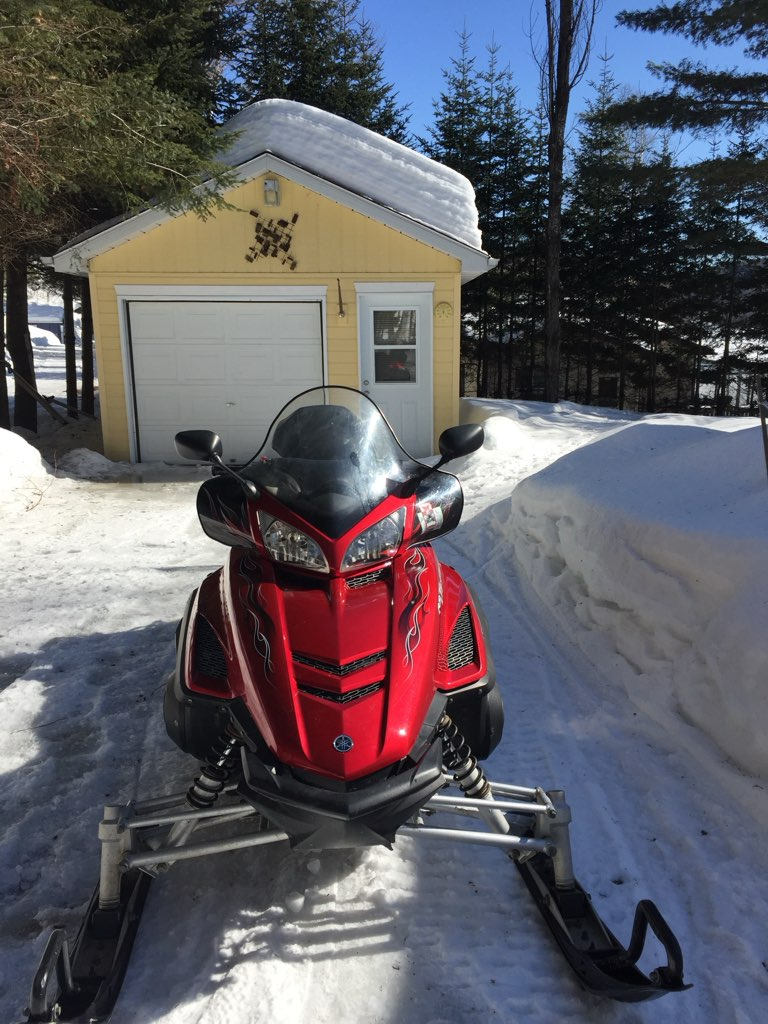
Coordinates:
542 855
529 824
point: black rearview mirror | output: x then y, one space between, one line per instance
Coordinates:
198 445
462 440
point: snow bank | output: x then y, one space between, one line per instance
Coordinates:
90 465
360 160
22 469
650 546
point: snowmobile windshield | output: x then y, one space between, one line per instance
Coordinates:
331 457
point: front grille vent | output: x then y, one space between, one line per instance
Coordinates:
364 579
462 649
210 659
340 670
342 698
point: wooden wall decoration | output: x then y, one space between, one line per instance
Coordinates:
273 238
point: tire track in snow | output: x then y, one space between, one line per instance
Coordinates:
660 827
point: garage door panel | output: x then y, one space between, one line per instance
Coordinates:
252 325
295 366
254 363
203 366
158 404
198 326
151 324
155 363
294 326
225 366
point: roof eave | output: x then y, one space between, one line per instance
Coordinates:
74 258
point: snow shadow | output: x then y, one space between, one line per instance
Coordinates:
82 727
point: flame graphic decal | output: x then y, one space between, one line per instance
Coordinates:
260 643
415 567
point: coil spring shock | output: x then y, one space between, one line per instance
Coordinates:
215 772
459 759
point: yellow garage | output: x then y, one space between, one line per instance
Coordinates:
339 260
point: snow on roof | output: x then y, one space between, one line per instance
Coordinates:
360 160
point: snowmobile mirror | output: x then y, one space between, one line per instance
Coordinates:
462 440
198 445
206 446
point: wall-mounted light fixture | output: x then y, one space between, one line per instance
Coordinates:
271 192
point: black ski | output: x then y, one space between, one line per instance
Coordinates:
88 980
604 967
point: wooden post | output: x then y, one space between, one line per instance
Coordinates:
35 394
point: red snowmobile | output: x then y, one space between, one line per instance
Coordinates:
334 681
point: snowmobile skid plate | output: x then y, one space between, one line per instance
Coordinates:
88 979
603 966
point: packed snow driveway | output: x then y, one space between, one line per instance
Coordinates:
96 575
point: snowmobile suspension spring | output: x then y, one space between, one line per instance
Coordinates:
459 759
215 772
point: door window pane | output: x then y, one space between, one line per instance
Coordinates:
395 365
394 327
394 346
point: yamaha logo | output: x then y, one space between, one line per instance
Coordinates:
343 743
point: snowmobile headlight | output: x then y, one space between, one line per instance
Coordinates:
291 546
379 541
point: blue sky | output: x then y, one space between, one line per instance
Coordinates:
421 36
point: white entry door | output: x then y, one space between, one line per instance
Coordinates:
224 366
396 361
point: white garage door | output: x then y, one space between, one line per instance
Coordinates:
225 366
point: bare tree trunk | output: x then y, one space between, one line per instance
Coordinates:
5 414
19 344
552 286
568 39
86 355
70 355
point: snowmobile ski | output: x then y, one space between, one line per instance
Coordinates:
88 979
603 966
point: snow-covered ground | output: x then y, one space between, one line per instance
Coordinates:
622 565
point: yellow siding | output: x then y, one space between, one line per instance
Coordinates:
330 242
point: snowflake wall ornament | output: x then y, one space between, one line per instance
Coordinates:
273 238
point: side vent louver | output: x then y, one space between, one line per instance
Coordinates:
366 578
339 670
209 659
462 649
342 698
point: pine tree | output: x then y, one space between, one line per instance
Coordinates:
593 253
457 140
530 383
87 130
480 131
696 96
504 192
320 52
657 288
702 99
